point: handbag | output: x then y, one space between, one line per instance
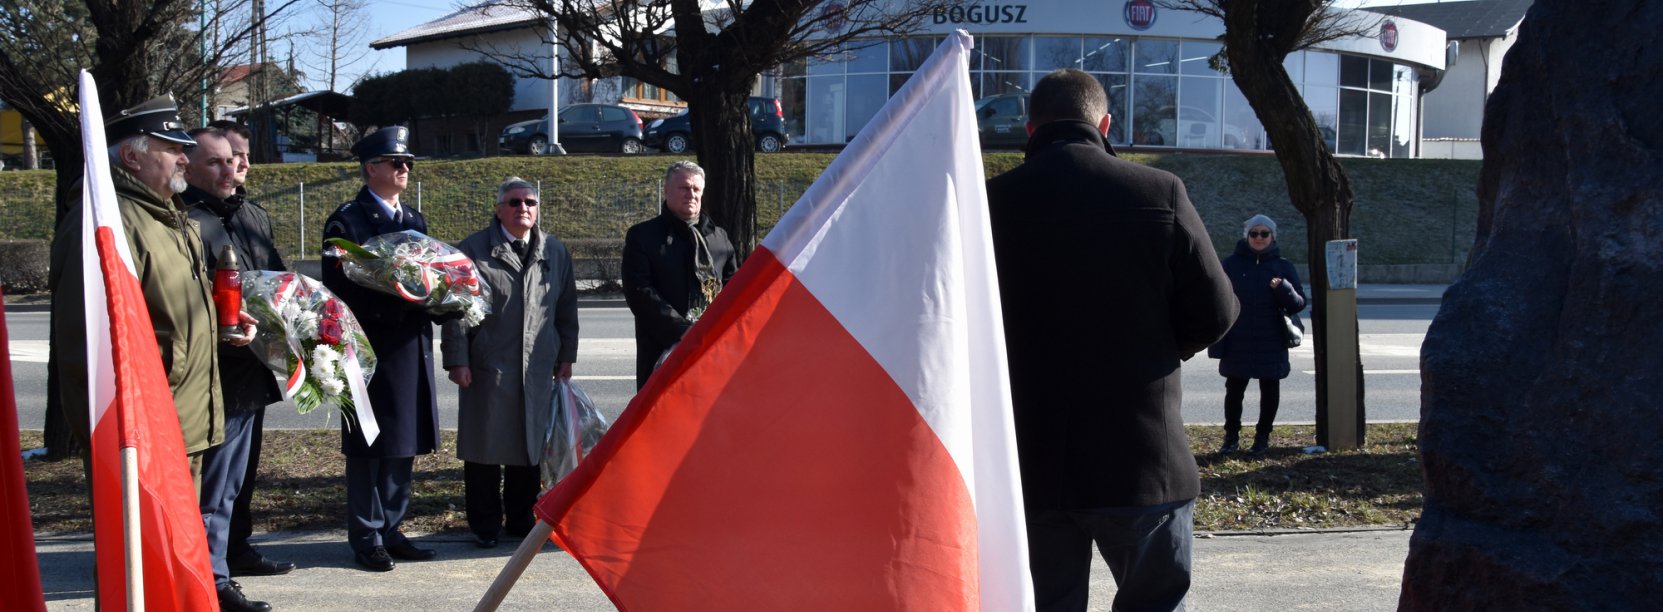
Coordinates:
1293 333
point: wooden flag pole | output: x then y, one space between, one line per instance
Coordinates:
510 573
131 530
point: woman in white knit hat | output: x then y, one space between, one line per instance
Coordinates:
1256 348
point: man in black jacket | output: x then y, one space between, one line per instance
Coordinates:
1108 281
674 264
247 385
240 556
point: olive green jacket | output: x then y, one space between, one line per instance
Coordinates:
168 260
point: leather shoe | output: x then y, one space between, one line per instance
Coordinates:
376 560
231 599
255 564
484 542
408 551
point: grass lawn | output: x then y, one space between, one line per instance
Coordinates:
302 487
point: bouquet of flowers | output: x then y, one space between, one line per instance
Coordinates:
573 431
419 269
310 339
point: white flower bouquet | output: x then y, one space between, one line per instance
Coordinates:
418 268
313 342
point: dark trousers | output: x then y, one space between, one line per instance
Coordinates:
377 496
1147 548
242 520
223 468
1270 395
491 489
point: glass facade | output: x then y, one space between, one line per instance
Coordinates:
1162 92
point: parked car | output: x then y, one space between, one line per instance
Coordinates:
597 128
1002 121
675 134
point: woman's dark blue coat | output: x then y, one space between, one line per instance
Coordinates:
1255 347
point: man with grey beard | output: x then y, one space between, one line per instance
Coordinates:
147 167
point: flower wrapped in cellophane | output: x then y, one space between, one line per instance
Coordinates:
419 269
315 345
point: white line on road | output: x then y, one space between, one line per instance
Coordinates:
1367 372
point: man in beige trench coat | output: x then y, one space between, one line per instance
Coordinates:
505 367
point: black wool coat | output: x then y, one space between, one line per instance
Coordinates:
1108 280
659 281
245 381
1255 346
402 388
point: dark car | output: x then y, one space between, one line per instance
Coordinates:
1002 121
675 134
598 128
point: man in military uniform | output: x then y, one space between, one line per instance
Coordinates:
401 392
147 166
240 556
247 385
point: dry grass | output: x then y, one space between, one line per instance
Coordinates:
302 488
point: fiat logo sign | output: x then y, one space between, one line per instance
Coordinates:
1140 14
1388 36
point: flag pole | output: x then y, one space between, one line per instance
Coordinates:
510 573
131 530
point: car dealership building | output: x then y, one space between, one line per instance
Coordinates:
1365 91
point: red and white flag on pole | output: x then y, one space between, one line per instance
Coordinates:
836 433
19 570
132 408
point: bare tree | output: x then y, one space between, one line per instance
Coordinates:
132 48
1258 36
340 32
711 58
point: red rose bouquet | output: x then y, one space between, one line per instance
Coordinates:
418 268
312 341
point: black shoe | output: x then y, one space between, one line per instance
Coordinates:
1230 446
231 599
376 560
408 551
484 542
1260 445
255 564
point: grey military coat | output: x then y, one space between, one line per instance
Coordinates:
513 354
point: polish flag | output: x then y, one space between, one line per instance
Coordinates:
132 414
19 570
836 432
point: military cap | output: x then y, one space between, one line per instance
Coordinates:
385 142
158 117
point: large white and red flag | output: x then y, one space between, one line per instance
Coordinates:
836 432
132 408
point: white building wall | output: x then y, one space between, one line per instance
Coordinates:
529 94
1456 108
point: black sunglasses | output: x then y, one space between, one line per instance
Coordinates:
528 202
407 164
1258 234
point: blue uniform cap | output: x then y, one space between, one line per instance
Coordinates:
385 142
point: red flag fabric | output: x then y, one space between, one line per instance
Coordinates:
19 568
132 407
836 432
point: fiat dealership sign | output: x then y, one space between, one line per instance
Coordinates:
1140 14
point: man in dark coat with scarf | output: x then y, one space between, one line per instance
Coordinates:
402 389
674 264
248 386
1108 281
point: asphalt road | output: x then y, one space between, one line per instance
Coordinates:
1390 338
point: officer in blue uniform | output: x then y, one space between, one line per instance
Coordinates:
401 391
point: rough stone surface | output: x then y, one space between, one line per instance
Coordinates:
1542 375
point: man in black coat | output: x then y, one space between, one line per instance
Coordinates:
247 385
674 264
402 389
1108 281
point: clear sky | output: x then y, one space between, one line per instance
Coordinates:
392 16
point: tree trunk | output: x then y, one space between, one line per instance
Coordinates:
1317 184
728 157
1539 430
31 150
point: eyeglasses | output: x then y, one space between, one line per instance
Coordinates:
527 202
1258 234
407 164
